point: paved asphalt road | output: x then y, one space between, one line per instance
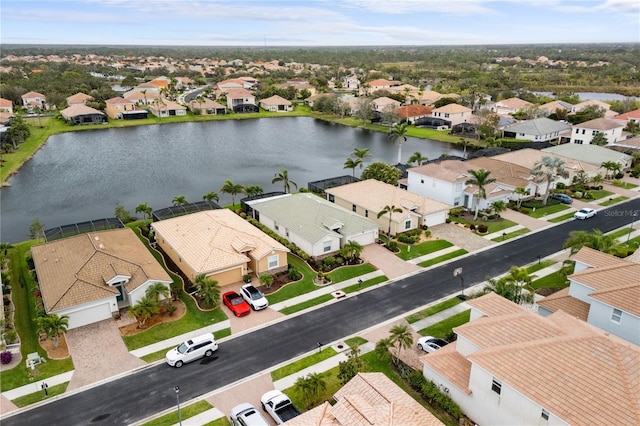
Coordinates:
150 390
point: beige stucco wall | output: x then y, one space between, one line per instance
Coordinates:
262 265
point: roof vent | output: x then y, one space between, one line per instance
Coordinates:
101 246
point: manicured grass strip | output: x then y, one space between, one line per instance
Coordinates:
302 363
432 310
547 210
347 272
537 266
491 226
411 252
561 218
444 328
620 232
185 412
512 235
554 280
614 201
368 283
442 258
306 304
356 340
38 396
600 193
222 421
625 185
305 285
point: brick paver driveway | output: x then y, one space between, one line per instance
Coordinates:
387 262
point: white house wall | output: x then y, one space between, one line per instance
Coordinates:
580 291
436 189
318 248
628 328
139 292
88 313
586 135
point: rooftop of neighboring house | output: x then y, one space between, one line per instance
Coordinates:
561 363
166 105
74 270
368 399
382 83
5 103
79 109
312 217
631 115
214 239
630 143
136 96
453 109
415 110
446 170
504 172
31 95
528 158
592 154
205 103
602 124
554 105
238 94
374 195
119 100
275 100
591 102
78 98
538 126
514 103
385 101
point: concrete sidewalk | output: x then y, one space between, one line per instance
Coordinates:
37 386
433 255
440 316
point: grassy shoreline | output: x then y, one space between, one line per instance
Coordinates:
42 128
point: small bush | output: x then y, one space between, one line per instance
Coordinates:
472 227
482 228
427 234
10 336
294 274
406 239
392 245
560 185
456 211
619 175
171 309
6 357
329 261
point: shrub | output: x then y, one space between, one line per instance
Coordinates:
10 336
482 228
328 261
456 211
171 309
393 246
427 233
472 227
294 274
406 239
246 278
619 175
447 220
6 357
560 185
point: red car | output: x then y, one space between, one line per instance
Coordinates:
236 303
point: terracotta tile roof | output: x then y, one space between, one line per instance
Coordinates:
275 100
382 82
416 110
504 172
238 93
208 241
514 103
453 109
528 157
5 103
119 100
635 114
602 124
591 102
446 170
72 270
450 363
493 305
206 104
30 95
78 98
166 105
79 109
616 285
369 399
595 258
561 300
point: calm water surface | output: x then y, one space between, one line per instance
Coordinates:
81 176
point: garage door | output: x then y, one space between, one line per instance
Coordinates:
435 219
89 315
364 239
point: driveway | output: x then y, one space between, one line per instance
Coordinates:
87 346
461 237
387 262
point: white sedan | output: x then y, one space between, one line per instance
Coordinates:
585 213
431 344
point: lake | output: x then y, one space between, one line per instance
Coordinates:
81 176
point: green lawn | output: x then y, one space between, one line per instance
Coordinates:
38 396
611 201
444 328
554 280
302 363
347 272
368 283
620 232
432 310
600 193
442 258
537 266
547 210
492 226
186 411
416 250
512 235
561 218
625 185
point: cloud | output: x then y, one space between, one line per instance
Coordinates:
451 7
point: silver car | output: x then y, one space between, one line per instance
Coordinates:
254 297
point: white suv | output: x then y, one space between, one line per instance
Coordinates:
254 297
192 350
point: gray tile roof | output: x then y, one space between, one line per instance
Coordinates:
538 126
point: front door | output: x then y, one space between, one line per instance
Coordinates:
120 296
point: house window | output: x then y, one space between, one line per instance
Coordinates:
578 141
616 315
407 224
273 261
577 131
446 115
496 386
583 131
286 232
366 213
276 226
545 415
593 132
327 246
353 207
332 198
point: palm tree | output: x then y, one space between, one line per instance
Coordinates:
548 168
382 347
597 179
401 337
398 133
283 176
481 179
608 166
520 278
464 144
207 290
352 164
317 385
498 207
158 292
351 250
144 209
520 192
389 210
53 325
309 387
179 200
233 189
144 309
361 154
417 158
210 196
595 240
253 190
266 280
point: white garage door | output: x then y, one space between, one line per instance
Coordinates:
89 315
435 219
364 239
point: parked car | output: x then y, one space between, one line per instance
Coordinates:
191 350
236 304
246 414
563 198
279 406
254 297
585 213
431 344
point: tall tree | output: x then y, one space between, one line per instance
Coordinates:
283 176
383 172
36 229
599 139
417 158
253 190
548 168
53 325
521 193
208 290
233 189
211 196
390 210
401 337
361 154
158 292
179 200
144 309
352 164
595 240
498 207
145 210
479 178
398 133
352 366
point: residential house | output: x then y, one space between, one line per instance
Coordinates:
370 197
311 99
299 86
119 108
207 106
162 83
318 227
219 244
591 154
628 146
142 97
453 113
385 104
79 99
276 103
185 83
428 97
89 277
588 103
82 114
374 85
509 106
536 130
510 366
351 82
368 399
6 105
583 133
555 107
238 98
167 108
604 291
32 100
413 113
628 117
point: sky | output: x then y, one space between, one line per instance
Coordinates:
274 23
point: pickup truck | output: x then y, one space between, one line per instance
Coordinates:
279 406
